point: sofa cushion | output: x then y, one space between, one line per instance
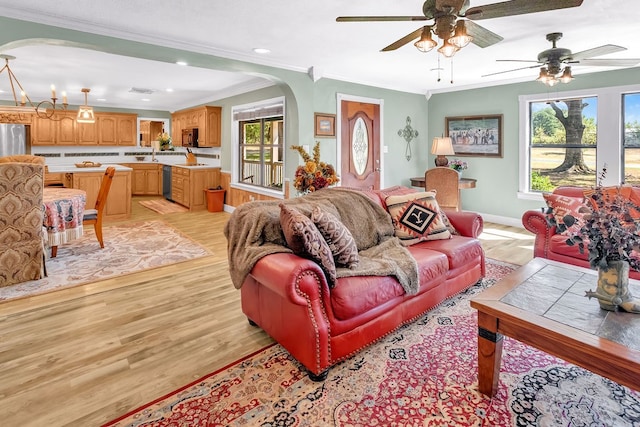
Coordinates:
354 296
338 237
566 205
459 250
304 239
417 215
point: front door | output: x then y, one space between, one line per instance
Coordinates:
360 145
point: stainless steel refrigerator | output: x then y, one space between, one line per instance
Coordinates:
13 139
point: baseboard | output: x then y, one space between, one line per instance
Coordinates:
504 220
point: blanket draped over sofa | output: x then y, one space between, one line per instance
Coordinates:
254 232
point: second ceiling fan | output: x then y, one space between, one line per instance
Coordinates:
453 22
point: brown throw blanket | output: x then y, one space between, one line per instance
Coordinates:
254 231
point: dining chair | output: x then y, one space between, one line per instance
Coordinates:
22 256
446 183
94 216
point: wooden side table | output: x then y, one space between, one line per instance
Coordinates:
418 181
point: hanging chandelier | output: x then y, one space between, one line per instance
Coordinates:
44 109
453 34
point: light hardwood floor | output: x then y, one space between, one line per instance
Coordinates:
89 354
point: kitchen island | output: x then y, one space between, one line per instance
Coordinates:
89 179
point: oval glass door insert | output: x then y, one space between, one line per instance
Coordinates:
360 146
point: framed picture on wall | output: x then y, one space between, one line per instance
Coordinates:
325 124
475 135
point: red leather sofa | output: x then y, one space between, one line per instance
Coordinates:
288 296
551 245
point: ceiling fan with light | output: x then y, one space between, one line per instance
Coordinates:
555 63
453 22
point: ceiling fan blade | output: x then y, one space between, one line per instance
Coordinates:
406 39
597 51
518 60
509 71
481 36
379 18
517 7
627 62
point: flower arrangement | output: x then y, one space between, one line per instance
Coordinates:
314 174
458 165
610 227
165 141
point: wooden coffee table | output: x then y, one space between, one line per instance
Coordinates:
542 304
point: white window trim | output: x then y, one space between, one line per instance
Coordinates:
235 143
609 118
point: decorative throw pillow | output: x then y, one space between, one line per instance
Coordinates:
304 239
338 237
417 215
448 224
566 205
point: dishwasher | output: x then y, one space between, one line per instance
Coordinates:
166 182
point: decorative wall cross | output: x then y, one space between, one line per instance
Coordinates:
408 133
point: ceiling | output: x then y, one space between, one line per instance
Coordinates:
300 35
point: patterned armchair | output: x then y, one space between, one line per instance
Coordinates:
21 217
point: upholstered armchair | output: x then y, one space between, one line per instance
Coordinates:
21 217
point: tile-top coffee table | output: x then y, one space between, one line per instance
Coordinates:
542 304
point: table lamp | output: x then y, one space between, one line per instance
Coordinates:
442 147
155 146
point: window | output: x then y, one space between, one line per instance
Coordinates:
260 137
570 138
631 137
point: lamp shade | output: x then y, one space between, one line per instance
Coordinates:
85 115
442 146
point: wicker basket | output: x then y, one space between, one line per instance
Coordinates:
88 164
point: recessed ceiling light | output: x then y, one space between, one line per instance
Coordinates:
261 50
169 89
101 99
181 63
146 99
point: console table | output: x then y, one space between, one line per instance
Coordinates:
418 181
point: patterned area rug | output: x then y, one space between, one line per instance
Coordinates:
128 248
424 374
163 206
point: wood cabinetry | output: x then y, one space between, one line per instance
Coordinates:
188 185
119 200
207 119
117 129
108 129
146 179
149 130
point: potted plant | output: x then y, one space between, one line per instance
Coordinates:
609 229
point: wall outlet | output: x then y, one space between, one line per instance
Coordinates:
306 148
385 148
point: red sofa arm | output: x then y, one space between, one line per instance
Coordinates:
536 222
285 273
468 224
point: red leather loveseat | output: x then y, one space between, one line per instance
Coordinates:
289 296
552 245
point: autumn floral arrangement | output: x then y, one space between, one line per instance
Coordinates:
458 165
314 174
165 141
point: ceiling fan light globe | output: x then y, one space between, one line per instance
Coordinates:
566 75
551 81
447 49
460 38
426 42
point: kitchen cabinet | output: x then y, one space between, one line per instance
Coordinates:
146 179
117 129
58 130
108 129
149 131
188 185
206 118
119 199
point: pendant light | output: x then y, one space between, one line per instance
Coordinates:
85 112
